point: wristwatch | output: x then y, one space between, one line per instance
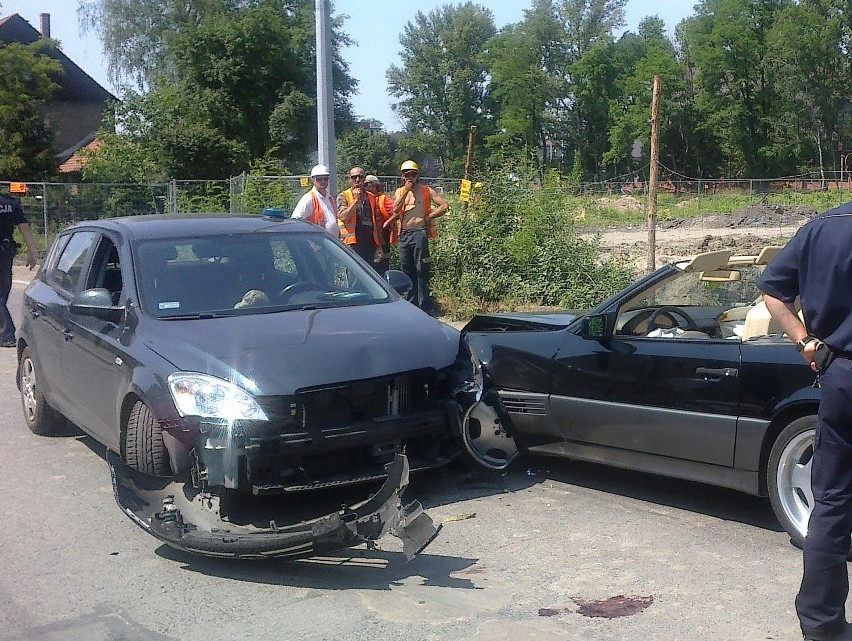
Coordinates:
800 345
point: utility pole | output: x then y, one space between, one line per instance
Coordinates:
468 163
326 142
652 180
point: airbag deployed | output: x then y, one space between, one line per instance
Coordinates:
189 520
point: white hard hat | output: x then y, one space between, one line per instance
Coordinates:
319 170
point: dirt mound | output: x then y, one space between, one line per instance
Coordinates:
751 216
746 231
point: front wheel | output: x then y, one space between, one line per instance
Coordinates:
789 477
143 448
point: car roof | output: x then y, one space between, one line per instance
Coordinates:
155 226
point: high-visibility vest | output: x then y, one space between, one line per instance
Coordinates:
347 230
318 215
431 225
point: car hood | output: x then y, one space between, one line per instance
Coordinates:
521 321
282 352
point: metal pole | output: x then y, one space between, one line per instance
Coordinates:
326 144
44 210
652 180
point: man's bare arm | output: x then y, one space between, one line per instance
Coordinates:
786 316
29 239
442 207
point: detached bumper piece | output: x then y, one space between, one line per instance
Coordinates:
189 520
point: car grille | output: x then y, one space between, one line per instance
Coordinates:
342 411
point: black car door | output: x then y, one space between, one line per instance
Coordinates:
676 397
47 306
95 361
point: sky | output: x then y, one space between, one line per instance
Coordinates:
374 25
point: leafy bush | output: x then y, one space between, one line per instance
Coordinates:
518 246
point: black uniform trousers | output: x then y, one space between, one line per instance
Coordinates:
8 249
417 264
821 601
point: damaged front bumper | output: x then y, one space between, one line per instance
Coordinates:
188 519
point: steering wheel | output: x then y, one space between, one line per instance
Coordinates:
302 286
671 311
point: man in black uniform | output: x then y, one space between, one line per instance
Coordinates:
816 266
11 216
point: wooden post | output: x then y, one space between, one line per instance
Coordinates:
468 163
652 181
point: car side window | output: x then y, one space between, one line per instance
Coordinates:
106 269
67 273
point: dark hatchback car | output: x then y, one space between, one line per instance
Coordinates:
239 354
681 374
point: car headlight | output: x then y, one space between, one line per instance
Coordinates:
211 397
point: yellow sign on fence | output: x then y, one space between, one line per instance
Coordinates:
17 188
304 181
464 191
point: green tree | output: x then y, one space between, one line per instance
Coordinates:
587 21
368 149
238 79
135 33
524 62
26 84
443 79
808 66
638 58
729 42
240 84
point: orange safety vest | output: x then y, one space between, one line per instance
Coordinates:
318 215
347 231
431 225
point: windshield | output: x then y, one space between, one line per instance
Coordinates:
251 273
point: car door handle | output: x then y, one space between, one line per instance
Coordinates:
68 334
35 312
718 374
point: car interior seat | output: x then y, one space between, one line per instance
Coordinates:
759 322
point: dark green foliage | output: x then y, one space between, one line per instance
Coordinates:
26 84
517 246
229 81
442 82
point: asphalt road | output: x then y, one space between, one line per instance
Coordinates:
521 557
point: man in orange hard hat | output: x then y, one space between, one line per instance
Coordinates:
413 208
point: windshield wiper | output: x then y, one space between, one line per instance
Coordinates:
196 316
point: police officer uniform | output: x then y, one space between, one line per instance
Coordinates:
816 265
11 215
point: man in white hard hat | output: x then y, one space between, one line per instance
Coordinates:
317 206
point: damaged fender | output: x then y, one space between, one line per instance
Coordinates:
187 519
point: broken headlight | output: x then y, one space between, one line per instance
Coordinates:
210 397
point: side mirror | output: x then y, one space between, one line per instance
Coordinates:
98 303
399 281
596 326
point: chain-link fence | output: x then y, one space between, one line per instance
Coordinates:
52 206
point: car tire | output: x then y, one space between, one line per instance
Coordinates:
789 477
144 449
41 418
